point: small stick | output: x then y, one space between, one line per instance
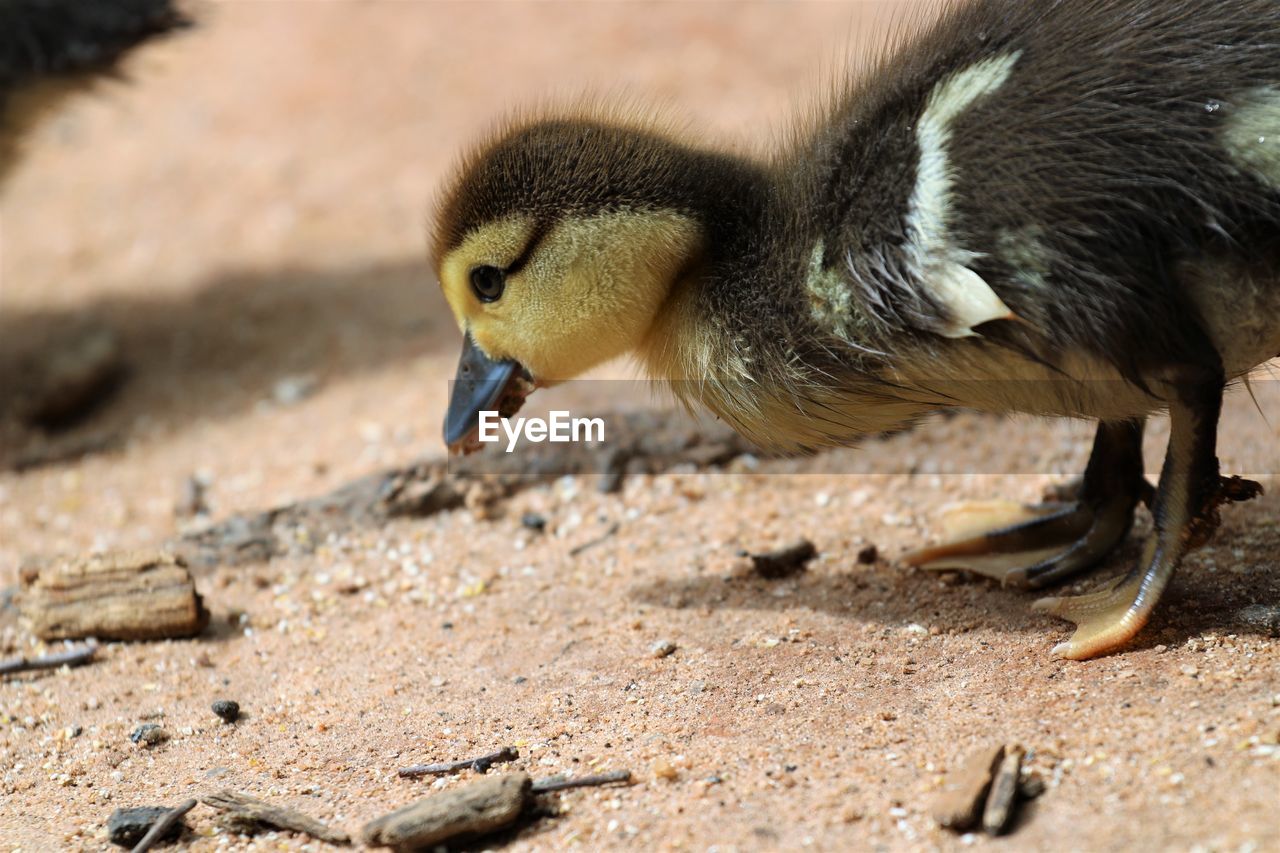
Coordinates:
71 657
591 543
162 826
480 765
543 786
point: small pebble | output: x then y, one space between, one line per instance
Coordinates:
1031 787
663 769
294 389
149 734
662 649
227 709
868 555
533 521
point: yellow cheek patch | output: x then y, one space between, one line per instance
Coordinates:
589 292
496 244
593 288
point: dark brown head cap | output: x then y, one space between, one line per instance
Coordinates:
551 168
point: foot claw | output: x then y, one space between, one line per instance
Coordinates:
1106 619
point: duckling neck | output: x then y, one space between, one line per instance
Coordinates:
730 324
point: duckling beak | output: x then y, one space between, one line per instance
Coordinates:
481 384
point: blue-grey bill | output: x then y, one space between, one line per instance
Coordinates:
479 385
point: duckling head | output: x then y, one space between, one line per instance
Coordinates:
556 247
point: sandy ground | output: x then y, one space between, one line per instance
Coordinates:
252 208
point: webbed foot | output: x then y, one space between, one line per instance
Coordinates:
1109 618
1034 546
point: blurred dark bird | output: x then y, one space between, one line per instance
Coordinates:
52 48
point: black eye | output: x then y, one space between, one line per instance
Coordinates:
488 282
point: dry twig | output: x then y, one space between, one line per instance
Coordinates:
546 786
591 543
480 764
71 657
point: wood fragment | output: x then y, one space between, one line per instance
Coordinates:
71 657
785 562
1004 792
162 826
116 596
650 441
545 786
485 805
959 805
480 764
249 813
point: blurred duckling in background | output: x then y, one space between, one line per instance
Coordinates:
52 48
1068 209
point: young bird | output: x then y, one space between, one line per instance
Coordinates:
1066 208
51 48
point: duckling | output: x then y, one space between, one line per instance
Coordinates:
51 48
1067 209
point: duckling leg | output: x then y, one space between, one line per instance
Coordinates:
1048 543
1186 515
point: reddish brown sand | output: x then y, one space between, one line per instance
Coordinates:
253 208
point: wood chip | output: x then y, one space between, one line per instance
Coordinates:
250 812
486 805
784 562
1004 791
960 803
122 596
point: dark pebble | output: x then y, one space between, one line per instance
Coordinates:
149 734
868 555
1031 787
227 709
127 826
533 521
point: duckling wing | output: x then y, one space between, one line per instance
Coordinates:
1061 159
